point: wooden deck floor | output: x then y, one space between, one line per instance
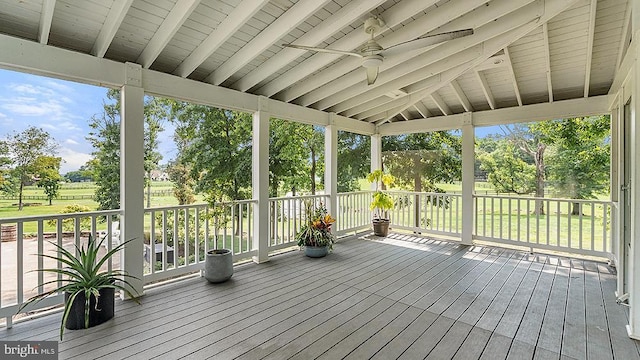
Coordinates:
407 298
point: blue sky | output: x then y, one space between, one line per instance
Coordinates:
62 108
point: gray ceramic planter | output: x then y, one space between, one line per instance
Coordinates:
316 251
218 265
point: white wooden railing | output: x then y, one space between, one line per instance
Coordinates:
353 212
437 213
25 237
183 234
287 215
513 220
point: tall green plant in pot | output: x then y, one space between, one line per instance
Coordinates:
89 292
381 202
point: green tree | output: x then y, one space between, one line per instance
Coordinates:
216 145
287 157
579 166
419 161
104 136
183 184
505 166
48 173
154 114
23 150
354 159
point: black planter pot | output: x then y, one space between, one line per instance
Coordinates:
97 315
381 227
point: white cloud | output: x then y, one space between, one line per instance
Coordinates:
71 142
71 159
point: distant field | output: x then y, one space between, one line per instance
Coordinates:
9 208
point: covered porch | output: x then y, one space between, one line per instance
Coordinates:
407 295
404 296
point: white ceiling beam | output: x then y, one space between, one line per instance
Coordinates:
457 90
405 115
441 104
340 75
343 17
31 57
234 21
419 106
492 46
592 26
393 16
171 24
286 22
547 54
596 105
484 85
512 73
46 17
111 25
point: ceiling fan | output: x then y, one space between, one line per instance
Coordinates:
373 54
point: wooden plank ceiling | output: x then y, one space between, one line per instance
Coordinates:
522 51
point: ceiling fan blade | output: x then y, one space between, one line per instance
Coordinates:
324 50
425 41
372 74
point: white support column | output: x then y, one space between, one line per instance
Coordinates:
132 174
615 180
260 185
633 329
331 166
468 178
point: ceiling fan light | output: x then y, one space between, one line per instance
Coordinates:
372 61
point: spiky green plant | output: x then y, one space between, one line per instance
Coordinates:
82 275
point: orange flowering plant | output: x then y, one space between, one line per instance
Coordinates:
316 231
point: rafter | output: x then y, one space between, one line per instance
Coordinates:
547 54
419 106
393 16
368 100
491 47
512 73
448 55
457 90
171 24
323 85
592 26
46 17
345 16
441 104
405 115
293 17
234 21
484 85
111 25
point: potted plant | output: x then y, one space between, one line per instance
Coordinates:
89 292
315 234
381 202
